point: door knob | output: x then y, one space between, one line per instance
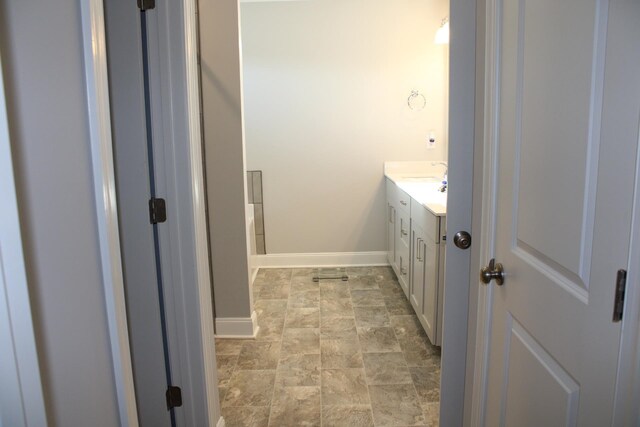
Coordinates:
462 239
494 271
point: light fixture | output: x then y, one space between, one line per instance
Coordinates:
442 35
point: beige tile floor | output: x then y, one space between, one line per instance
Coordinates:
330 354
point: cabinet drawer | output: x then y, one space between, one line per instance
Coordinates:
426 220
404 201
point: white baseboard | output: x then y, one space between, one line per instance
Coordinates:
254 274
221 422
237 327
327 259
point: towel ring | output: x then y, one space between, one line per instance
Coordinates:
414 102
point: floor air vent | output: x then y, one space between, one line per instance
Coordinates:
330 274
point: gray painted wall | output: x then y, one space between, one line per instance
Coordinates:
326 86
224 155
41 47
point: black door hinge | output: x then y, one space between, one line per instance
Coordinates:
146 4
174 397
618 305
157 210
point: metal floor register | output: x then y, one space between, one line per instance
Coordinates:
330 274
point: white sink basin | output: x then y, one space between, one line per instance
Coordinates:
421 181
426 192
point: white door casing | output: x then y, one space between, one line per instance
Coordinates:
564 121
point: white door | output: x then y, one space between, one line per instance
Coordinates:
567 135
21 399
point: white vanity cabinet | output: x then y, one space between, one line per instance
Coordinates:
415 250
427 279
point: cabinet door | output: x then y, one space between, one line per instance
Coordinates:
428 316
392 225
416 291
402 249
441 270
391 233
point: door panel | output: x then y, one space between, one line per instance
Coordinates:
416 296
430 304
392 202
556 133
567 137
533 371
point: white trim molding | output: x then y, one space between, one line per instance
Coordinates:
488 207
324 259
627 395
199 210
95 60
254 274
237 327
628 377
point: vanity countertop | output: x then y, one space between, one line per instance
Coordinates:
420 180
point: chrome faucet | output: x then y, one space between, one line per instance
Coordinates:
446 168
443 187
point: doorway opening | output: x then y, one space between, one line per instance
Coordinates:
332 91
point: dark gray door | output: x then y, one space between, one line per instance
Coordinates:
135 183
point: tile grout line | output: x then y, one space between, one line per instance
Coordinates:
273 392
398 341
412 380
233 371
363 367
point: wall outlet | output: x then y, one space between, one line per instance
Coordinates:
431 140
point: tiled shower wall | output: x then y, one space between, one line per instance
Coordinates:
254 188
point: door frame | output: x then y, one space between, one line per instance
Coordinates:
22 399
95 59
626 409
459 296
485 207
